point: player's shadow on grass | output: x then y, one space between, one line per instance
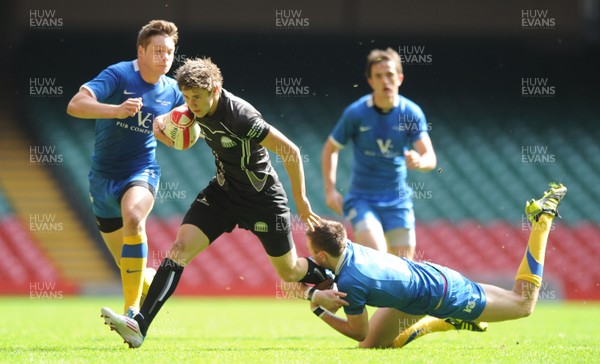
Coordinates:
58 348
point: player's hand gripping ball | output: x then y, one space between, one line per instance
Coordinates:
328 283
181 127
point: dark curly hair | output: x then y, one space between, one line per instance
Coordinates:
198 73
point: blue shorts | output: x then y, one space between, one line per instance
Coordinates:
463 298
390 214
106 193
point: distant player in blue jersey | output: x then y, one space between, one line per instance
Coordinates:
383 127
124 99
406 290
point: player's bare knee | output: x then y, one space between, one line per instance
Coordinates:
177 252
529 300
526 308
523 312
177 248
131 220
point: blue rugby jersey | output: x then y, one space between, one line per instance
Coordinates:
379 279
380 140
126 146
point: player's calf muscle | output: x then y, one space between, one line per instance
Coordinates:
287 271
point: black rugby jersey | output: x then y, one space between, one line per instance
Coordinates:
233 133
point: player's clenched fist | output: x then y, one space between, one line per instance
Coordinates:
413 159
129 107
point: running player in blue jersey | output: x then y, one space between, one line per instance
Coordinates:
245 192
405 291
124 99
383 127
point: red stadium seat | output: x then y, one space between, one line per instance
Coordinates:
23 264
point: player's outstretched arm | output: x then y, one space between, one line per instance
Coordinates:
289 153
354 326
85 106
329 163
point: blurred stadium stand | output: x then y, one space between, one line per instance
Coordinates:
470 214
40 228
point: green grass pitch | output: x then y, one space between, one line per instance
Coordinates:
253 330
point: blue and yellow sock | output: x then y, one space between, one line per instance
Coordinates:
133 264
532 265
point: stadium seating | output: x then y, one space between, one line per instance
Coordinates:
478 180
24 267
40 231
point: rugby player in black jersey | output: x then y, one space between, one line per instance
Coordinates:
245 192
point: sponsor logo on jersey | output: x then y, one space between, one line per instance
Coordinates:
144 123
226 142
257 183
144 120
163 102
384 147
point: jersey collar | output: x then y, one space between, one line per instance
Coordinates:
343 258
371 103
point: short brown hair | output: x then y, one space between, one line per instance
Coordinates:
198 73
157 27
379 55
329 236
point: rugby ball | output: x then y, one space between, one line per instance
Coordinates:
181 127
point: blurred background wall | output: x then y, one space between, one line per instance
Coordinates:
509 90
